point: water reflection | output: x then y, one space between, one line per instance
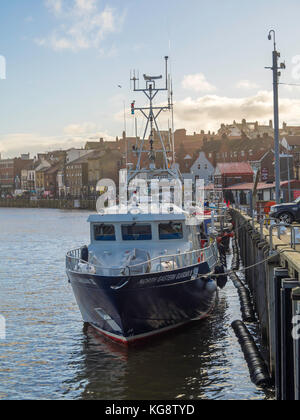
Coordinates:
193 362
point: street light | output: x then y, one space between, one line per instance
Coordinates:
276 75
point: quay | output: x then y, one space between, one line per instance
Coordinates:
271 257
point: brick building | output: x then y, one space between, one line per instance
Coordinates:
229 174
11 173
50 179
76 177
106 164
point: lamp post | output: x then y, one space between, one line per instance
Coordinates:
276 75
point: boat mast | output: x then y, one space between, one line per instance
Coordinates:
151 113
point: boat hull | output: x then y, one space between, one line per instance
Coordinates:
127 309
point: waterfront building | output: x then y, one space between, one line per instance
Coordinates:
11 173
50 179
77 177
104 164
40 175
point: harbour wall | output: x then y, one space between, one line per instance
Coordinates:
272 272
50 204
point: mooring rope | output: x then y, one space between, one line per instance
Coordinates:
241 270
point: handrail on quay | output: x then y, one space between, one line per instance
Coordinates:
280 226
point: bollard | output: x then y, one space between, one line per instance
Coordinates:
287 343
296 337
275 324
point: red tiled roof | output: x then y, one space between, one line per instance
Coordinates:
235 168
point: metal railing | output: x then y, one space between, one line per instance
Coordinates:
163 263
279 226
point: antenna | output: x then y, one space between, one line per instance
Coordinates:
151 113
172 113
166 59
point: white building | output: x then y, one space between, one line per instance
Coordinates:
201 169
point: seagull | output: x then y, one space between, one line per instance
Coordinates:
120 86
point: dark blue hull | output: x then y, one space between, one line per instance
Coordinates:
132 308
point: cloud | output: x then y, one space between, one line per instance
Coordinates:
80 129
247 85
74 135
198 83
208 112
81 25
55 6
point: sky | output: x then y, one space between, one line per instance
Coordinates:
65 61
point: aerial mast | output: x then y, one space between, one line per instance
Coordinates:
151 113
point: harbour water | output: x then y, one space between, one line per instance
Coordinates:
49 354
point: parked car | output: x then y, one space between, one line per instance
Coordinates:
286 212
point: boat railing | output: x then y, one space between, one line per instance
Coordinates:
162 263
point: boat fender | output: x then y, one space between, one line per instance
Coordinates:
211 286
201 283
257 367
84 254
221 279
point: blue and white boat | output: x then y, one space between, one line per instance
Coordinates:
145 272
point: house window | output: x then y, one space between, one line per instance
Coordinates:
243 153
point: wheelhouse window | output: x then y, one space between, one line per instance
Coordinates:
137 233
104 233
170 231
